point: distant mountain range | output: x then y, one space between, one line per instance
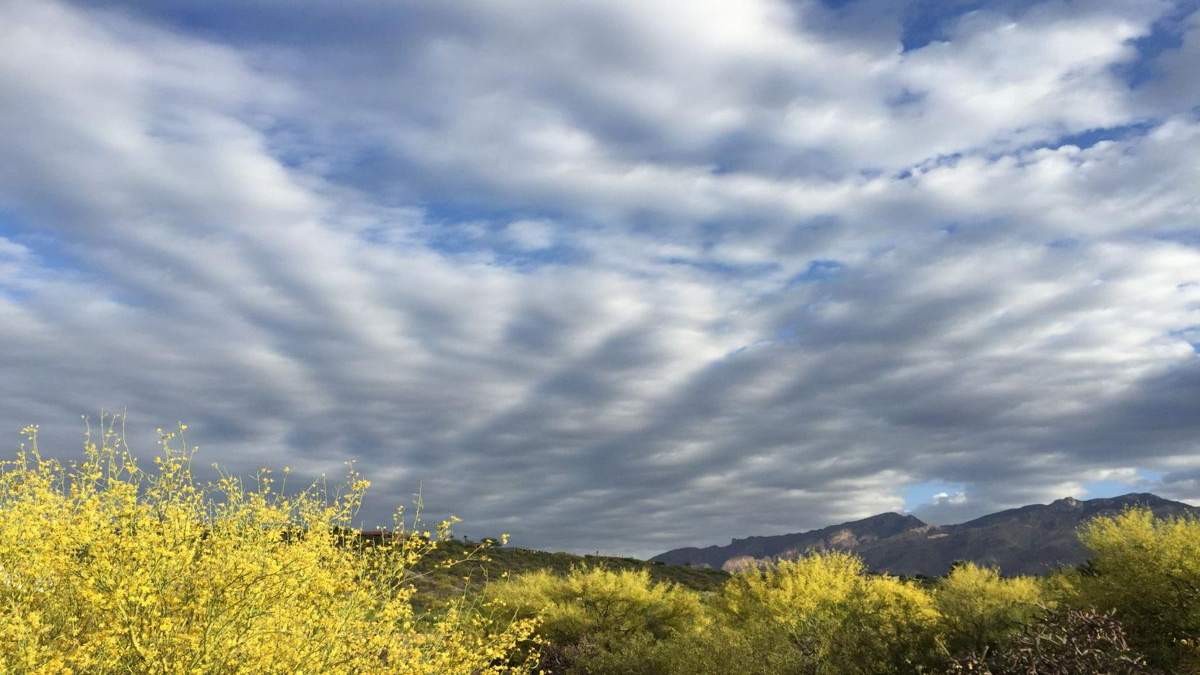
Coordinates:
1028 540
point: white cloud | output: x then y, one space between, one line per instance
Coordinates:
532 235
947 498
304 249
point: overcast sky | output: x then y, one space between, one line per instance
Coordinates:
616 276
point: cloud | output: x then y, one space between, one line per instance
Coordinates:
531 235
946 508
617 277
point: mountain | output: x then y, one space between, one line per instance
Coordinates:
1027 540
847 537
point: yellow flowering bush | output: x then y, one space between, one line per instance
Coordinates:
1147 570
106 567
821 613
595 620
981 610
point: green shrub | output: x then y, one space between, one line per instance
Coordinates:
1147 571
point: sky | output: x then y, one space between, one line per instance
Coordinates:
613 276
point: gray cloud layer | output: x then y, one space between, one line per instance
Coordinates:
618 277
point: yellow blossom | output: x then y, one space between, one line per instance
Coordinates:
106 568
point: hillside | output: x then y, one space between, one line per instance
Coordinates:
435 581
1027 540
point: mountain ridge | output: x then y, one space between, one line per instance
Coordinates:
1030 539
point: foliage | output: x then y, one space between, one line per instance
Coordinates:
1066 642
980 609
819 614
106 567
597 620
438 582
1147 570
